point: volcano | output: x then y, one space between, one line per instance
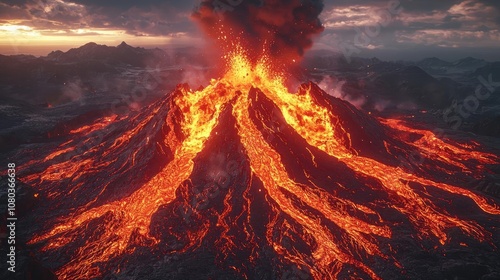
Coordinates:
244 180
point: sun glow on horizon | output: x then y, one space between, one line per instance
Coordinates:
17 38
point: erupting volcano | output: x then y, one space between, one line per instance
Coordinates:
265 182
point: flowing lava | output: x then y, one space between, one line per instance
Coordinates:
325 190
337 230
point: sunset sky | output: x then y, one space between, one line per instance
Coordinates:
409 30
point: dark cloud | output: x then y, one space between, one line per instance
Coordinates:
58 12
409 5
284 28
16 3
153 17
128 4
12 12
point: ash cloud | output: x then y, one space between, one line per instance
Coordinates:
284 28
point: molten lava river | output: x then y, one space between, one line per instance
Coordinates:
250 181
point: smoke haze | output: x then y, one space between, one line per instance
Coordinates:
281 29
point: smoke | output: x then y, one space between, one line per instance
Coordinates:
334 87
72 90
195 76
382 105
282 29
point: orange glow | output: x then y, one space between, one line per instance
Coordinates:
446 152
100 124
17 37
197 113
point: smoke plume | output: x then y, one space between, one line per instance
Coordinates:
282 29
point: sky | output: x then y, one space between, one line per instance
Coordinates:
388 29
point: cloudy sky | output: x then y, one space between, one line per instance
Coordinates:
390 29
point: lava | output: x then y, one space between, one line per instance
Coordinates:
429 143
337 227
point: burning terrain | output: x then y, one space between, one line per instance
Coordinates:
256 182
258 176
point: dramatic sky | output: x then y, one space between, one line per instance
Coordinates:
405 29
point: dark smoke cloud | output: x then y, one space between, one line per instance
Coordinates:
284 27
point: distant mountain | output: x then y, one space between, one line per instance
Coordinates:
438 66
121 54
45 82
91 69
412 84
469 63
434 65
429 83
63 77
489 69
324 59
433 62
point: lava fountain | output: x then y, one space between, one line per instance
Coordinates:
253 173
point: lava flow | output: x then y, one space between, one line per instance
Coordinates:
261 180
331 186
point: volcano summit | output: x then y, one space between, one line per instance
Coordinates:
257 181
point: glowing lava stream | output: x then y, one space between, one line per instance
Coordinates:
316 124
135 212
274 176
434 146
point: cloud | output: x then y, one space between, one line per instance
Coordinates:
352 16
140 18
465 24
8 12
475 15
148 17
466 15
421 24
450 38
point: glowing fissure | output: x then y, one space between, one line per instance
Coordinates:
318 125
445 152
